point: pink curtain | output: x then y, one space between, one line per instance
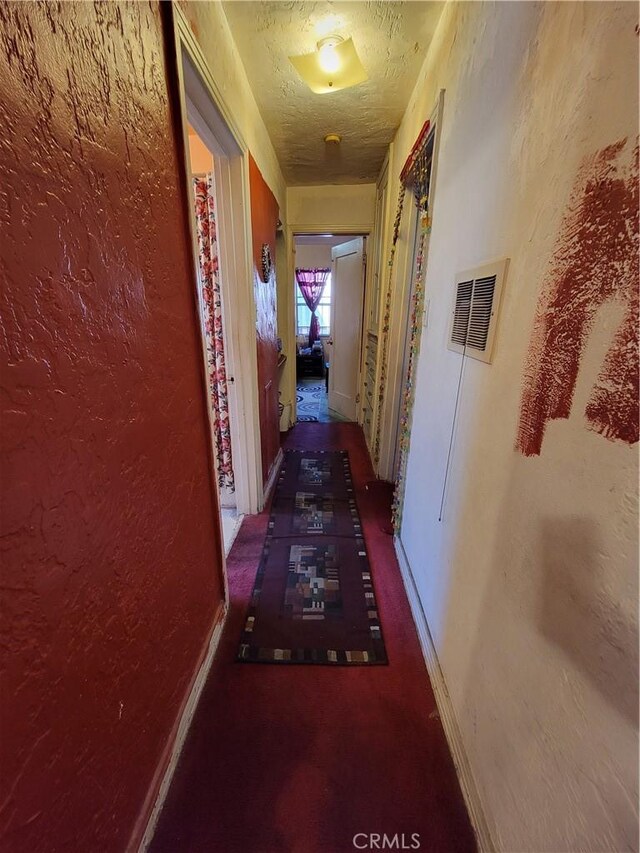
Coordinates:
311 284
204 190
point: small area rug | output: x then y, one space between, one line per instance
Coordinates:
310 394
313 599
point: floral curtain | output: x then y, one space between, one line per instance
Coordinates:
311 284
204 191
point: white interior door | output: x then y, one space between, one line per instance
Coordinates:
347 287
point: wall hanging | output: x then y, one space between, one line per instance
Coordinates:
267 263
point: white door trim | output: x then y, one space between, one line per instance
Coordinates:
404 342
376 264
293 231
382 231
200 96
351 247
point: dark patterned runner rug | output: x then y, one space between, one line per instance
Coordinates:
313 599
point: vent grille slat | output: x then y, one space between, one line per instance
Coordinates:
481 310
461 313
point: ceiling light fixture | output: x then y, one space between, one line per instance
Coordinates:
333 66
328 58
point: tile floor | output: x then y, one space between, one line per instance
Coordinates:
312 402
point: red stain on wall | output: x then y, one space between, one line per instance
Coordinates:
595 261
264 221
111 553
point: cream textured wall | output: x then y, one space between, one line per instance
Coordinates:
335 207
211 29
529 583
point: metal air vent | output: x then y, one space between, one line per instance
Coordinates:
475 310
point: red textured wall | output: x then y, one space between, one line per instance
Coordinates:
111 568
264 220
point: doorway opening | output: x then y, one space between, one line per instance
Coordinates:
329 289
411 330
212 319
217 177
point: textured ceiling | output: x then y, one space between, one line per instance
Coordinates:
391 40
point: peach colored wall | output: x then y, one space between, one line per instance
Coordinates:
529 583
111 568
199 155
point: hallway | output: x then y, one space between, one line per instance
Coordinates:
302 758
204 205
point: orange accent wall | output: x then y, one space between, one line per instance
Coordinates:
264 220
111 567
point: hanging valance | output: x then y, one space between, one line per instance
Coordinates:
415 172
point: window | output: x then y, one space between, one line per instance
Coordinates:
323 311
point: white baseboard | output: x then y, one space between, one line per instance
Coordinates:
181 734
445 708
275 468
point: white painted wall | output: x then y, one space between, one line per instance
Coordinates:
316 255
334 207
529 583
211 29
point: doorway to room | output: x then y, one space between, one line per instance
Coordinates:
212 317
217 179
329 298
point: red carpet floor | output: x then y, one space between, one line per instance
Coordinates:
301 758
